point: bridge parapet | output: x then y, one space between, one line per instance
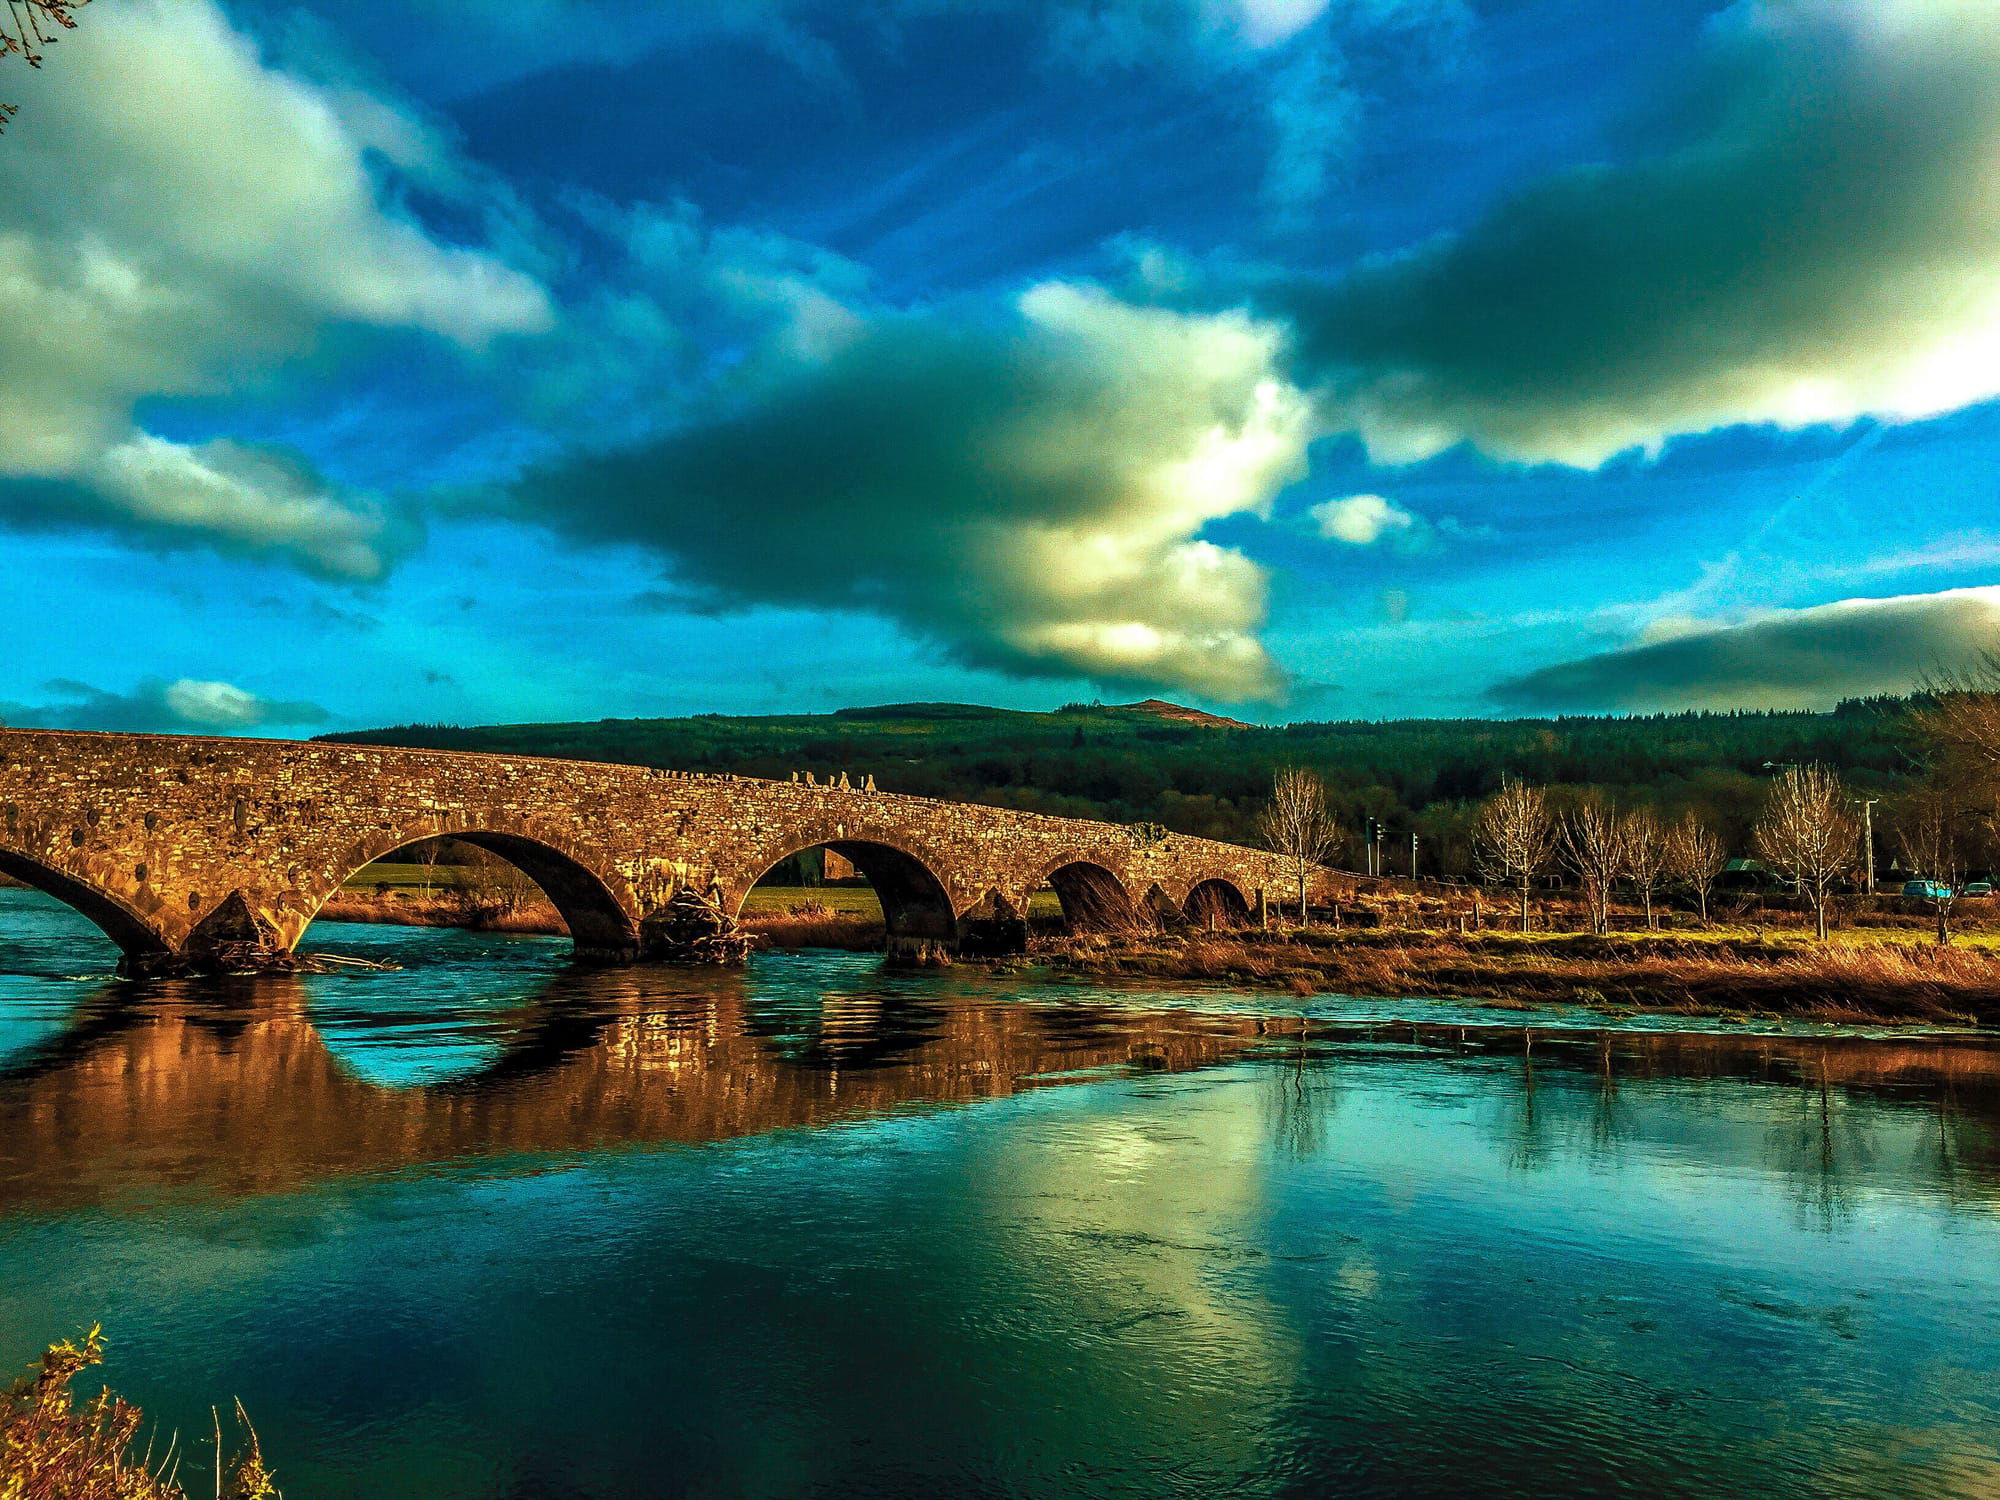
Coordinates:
181 846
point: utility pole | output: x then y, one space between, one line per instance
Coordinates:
1868 837
1413 854
1378 848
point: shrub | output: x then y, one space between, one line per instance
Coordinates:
53 1449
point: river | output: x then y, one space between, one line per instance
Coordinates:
490 1226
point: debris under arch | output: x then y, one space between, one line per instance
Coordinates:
694 927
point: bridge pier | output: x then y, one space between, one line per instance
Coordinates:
233 939
994 928
908 952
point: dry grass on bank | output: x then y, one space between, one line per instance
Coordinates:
52 1448
1878 981
807 924
448 908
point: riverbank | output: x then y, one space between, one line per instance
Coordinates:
788 925
1873 976
1690 974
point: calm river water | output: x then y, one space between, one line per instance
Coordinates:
493 1227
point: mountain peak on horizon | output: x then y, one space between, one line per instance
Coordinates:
1179 713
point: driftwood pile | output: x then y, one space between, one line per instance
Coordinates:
247 958
693 927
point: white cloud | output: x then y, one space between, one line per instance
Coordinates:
1819 241
177 216
155 706
221 705
1029 491
244 499
1361 520
1265 23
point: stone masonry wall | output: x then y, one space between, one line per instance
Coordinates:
171 841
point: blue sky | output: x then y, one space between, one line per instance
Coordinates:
368 362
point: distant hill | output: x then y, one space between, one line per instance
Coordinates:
1159 762
1159 708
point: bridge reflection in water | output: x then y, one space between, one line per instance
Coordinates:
273 1083
260 1089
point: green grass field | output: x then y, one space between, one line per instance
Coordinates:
407 877
848 900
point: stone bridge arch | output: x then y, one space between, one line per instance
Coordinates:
141 944
1094 896
596 902
1216 901
920 907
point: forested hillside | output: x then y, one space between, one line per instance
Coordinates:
1133 765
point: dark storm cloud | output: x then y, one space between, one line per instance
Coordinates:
1029 493
1809 658
1813 237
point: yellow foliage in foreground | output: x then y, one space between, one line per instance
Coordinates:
53 1449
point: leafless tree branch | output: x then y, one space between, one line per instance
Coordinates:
1695 859
1515 837
1294 824
1808 833
29 26
1594 848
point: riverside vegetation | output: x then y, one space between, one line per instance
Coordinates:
1582 862
1396 938
53 1448
1733 972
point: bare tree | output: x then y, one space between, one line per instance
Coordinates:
1514 837
1808 834
1695 858
494 880
1958 716
1929 827
1957 721
1645 857
1593 846
427 853
27 26
1294 824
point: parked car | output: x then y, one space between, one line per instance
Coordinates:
1929 890
1977 888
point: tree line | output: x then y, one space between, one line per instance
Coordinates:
1427 777
1813 831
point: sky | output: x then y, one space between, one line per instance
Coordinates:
385 361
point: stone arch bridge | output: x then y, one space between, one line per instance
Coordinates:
183 848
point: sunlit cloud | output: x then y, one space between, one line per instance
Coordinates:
155 706
1028 492
177 217
1361 520
1818 240
1803 658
